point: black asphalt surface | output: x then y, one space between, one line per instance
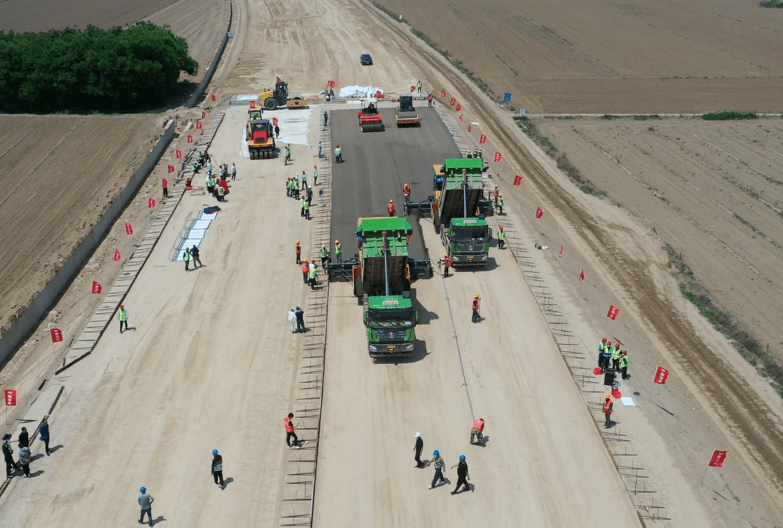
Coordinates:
377 164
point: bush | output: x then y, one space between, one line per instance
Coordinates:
727 116
94 69
771 3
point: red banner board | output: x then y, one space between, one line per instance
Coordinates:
128 228
482 138
718 457
57 335
179 154
332 84
561 252
612 313
152 203
539 212
413 89
517 180
469 128
660 376
198 125
498 157
117 255
460 118
598 371
10 398
171 169
616 394
443 93
582 275
215 99
96 287
274 121
453 101
190 139
279 79
203 115
458 108
252 104
379 94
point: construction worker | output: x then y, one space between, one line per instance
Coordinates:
295 185
501 238
616 353
606 355
500 202
287 154
440 465
299 314
326 118
418 85
608 408
302 203
338 250
624 364
496 192
288 187
324 255
320 150
309 196
417 448
304 179
186 258
233 172
122 315
145 501
315 174
462 474
429 100
290 431
217 469
601 347
277 131
306 208
305 270
476 306
298 253
164 184
338 153
313 276
481 154
478 430
391 207
406 192
446 264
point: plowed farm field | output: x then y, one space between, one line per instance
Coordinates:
712 190
609 57
59 175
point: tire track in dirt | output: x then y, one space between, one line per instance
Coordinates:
751 421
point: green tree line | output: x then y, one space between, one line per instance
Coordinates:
94 69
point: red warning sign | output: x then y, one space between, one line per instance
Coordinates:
96 288
539 212
10 398
198 125
252 104
517 180
152 203
498 157
57 335
171 169
190 139
660 376
453 101
717 459
443 93
116 255
482 138
179 154
128 228
612 313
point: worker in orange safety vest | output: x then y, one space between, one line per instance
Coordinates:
406 191
478 430
305 270
476 306
608 409
298 252
289 431
391 207
446 264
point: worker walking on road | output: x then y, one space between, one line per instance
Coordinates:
300 326
302 203
429 100
338 153
476 306
608 409
446 264
306 208
195 255
496 193
165 185
478 431
417 448
145 501
44 432
624 364
186 258
500 203
406 192
304 179
287 154
305 270
601 347
122 315
440 465
616 353
315 174
463 476
501 238
391 207
289 431
277 131
298 252
25 457
233 172
217 469
313 276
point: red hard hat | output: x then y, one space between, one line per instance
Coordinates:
609 343
603 340
617 345
625 351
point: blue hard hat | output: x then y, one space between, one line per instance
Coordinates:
462 457
214 451
143 489
297 308
436 453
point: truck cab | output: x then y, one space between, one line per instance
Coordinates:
468 241
390 322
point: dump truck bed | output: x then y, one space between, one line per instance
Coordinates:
451 198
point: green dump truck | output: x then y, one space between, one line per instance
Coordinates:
382 282
463 229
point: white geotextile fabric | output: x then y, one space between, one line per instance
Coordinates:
359 91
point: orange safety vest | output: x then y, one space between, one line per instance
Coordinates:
289 427
305 267
391 207
298 249
406 190
447 262
479 425
475 304
608 407
496 193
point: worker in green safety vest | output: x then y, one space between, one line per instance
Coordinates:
324 254
302 203
122 315
624 364
501 238
616 353
338 250
500 202
306 210
313 276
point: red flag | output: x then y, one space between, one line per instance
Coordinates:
213 98
252 104
498 157
612 314
96 288
660 376
460 117
332 84
718 457
413 89
274 121
203 115
10 398
179 154
539 212
469 128
152 203
128 228
378 94
616 394
582 275
190 139
171 169
459 107
453 101
279 79
57 335
198 125
561 252
517 180
482 138
443 93
597 371
116 255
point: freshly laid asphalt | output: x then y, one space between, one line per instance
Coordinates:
375 167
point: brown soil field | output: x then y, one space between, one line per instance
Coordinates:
60 174
608 57
712 190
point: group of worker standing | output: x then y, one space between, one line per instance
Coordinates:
298 188
614 354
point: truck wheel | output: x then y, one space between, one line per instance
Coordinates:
270 104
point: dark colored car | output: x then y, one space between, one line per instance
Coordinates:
366 59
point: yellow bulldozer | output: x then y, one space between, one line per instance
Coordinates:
272 99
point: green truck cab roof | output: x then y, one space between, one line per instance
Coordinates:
397 231
468 222
457 164
383 302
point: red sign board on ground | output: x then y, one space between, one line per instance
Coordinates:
117 255
171 169
252 104
469 128
152 203
203 115
198 125
274 121
179 154
413 89
482 138
539 212
57 335
453 101
582 275
459 107
612 313
498 157
718 457
660 376
128 228
190 139
460 118
10 398
215 99
443 93
517 180
96 288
